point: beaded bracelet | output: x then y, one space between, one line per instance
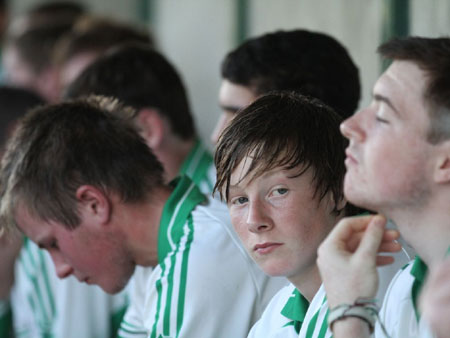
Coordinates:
364 309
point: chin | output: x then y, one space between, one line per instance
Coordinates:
112 289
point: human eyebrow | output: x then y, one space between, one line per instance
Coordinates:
381 98
231 109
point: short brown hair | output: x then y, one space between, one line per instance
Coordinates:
58 148
433 56
303 133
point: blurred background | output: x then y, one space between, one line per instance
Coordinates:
196 34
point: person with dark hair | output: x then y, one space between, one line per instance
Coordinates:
144 79
14 102
90 37
280 168
310 63
398 164
43 305
29 44
78 180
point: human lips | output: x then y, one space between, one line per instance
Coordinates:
266 248
350 158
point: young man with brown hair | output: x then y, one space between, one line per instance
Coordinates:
398 164
79 181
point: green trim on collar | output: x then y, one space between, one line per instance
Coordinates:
197 163
419 271
295 309
183 199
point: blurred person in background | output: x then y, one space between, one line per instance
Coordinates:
89 38
29 43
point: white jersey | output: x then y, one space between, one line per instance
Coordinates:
285 315
205 284
45 306
399 313
280 318
199 167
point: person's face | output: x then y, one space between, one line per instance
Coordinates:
90 253
279 220
232 97
388 158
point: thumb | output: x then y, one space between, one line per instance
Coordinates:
372 237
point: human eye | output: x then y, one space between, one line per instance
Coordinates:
279 191
239 200
53 245
380 119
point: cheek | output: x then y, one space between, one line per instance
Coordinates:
239 224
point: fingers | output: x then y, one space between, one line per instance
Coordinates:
372 237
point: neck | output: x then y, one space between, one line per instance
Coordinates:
142 221
426 229
172 153
308 282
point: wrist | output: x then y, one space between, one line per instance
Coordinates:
351 327
363 313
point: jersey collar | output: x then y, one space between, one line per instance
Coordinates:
419 271
197 163
295 310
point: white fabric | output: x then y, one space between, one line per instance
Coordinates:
225 291
272 323
398 313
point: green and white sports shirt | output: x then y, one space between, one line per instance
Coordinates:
199 166
399 313
45 306
205 284
317 315
283 316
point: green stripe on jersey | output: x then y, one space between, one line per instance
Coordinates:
197 164
41 300
184 272
176 233
183 199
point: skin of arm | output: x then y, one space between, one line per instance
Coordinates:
347 261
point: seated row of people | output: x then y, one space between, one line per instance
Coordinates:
116 187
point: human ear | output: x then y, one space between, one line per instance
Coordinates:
152 127
442 169
93 203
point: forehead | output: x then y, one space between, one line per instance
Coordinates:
31 226
404 84
241 175
235 95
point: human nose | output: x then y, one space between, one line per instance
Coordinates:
63 269
352 128
257 218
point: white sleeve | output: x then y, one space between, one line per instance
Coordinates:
133 324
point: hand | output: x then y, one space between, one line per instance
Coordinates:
348 258
435 299
9 250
